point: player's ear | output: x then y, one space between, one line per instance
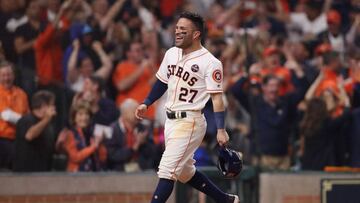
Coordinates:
196 35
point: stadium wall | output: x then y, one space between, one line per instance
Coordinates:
302 187
78 188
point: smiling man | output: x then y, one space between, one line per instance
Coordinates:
13 104
191 75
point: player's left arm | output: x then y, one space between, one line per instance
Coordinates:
219 115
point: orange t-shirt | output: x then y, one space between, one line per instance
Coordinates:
140 88
16 100
49 54
328 83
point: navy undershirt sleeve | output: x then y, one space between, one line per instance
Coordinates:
158 89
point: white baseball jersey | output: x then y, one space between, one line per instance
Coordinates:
190 78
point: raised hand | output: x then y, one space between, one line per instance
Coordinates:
50 111
97 46
76 44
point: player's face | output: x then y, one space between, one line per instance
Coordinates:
184 33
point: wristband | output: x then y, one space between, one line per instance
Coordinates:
156 92
147 102
220 119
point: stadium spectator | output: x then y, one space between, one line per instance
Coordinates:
9 21
129 148
79 70
272 65
264 21
320 131
85 35
52 8
102 19
337 102
318 135
35 135
25 37
49 55
133 77
353 35
299 53
13 105
103 109
310 22
273 119
334 34
327 87
79 146
48 49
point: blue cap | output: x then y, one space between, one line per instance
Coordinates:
86 29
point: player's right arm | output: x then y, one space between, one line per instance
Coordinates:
158 89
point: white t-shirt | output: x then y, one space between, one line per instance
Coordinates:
78 85
337 43
316 26
190 78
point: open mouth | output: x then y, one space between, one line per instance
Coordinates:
179 38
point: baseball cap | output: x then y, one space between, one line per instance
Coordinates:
270 51
322 48
333 17
87 29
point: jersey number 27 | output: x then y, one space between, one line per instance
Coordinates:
184 92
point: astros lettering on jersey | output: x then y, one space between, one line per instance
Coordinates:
190 78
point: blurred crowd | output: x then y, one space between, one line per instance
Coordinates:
72 73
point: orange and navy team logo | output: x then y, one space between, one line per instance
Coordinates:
217 76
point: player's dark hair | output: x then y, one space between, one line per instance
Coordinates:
41 98
196 19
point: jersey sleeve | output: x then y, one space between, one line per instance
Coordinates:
214 77
162 72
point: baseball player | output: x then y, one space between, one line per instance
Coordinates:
191 75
